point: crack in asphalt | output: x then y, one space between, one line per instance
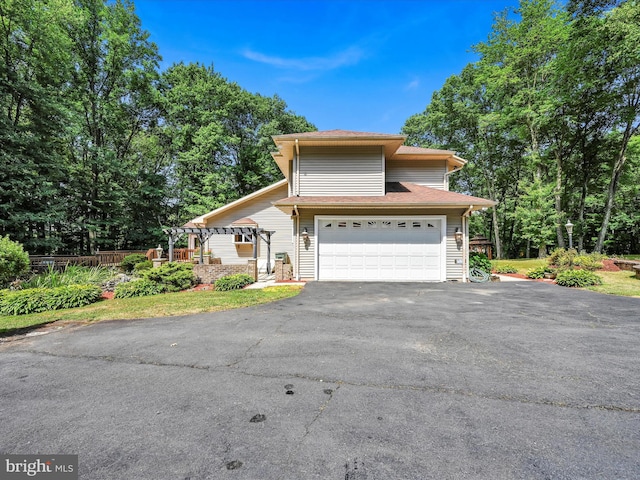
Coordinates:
417 388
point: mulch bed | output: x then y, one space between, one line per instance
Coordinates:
609 266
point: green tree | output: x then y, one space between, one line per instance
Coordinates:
34 72
218 137
113 101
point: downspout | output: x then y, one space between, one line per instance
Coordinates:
465 243
446 175
297 192
297 249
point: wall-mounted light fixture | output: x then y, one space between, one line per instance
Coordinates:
305 233
458 236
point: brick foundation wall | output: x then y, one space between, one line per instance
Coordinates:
211 273
283 271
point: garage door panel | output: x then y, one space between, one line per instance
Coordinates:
380 249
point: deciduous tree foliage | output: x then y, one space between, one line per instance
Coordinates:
551 110
99 149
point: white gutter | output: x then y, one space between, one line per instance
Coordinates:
446 175
465 242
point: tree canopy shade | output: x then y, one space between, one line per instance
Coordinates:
99 149
548 117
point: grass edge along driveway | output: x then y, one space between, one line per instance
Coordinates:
164 305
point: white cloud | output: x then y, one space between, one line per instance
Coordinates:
350 56
412 85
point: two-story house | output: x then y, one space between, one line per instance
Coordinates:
355 206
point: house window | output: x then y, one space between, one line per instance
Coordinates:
385 224
402 224
356 224
327 225
242 239
342 224
372 224
430 226
416 224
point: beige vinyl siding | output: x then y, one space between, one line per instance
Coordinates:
341 171
266 216
454 219
308 250
454 252
421 172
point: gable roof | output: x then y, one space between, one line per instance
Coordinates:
202 219
398 194
393 146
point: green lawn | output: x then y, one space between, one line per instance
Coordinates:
522 264
621 283
168 304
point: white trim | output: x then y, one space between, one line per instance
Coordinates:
204 218
443 234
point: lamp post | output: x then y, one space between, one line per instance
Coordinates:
569 227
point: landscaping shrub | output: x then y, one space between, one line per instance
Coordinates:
562 258
142 266
14 261
480 261
130 261
34 300
233 282
174 276
71 275
506 268
538 272
589 262
577 278
138 288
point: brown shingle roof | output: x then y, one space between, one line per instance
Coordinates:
406 150
336 133
397 194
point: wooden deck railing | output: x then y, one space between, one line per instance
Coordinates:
103 258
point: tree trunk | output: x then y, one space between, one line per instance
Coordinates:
558 199
616 173
496 233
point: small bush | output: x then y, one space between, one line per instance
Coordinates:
538 272
506 268
142 266
130 261
34 300
14 261
233 282
589 262
174 276
480 261
578 278
138 288
562 258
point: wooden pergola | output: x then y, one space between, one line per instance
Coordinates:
204 234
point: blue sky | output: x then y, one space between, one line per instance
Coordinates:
354 65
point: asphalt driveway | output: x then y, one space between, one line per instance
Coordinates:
346 381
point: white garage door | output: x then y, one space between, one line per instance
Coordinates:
381 248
